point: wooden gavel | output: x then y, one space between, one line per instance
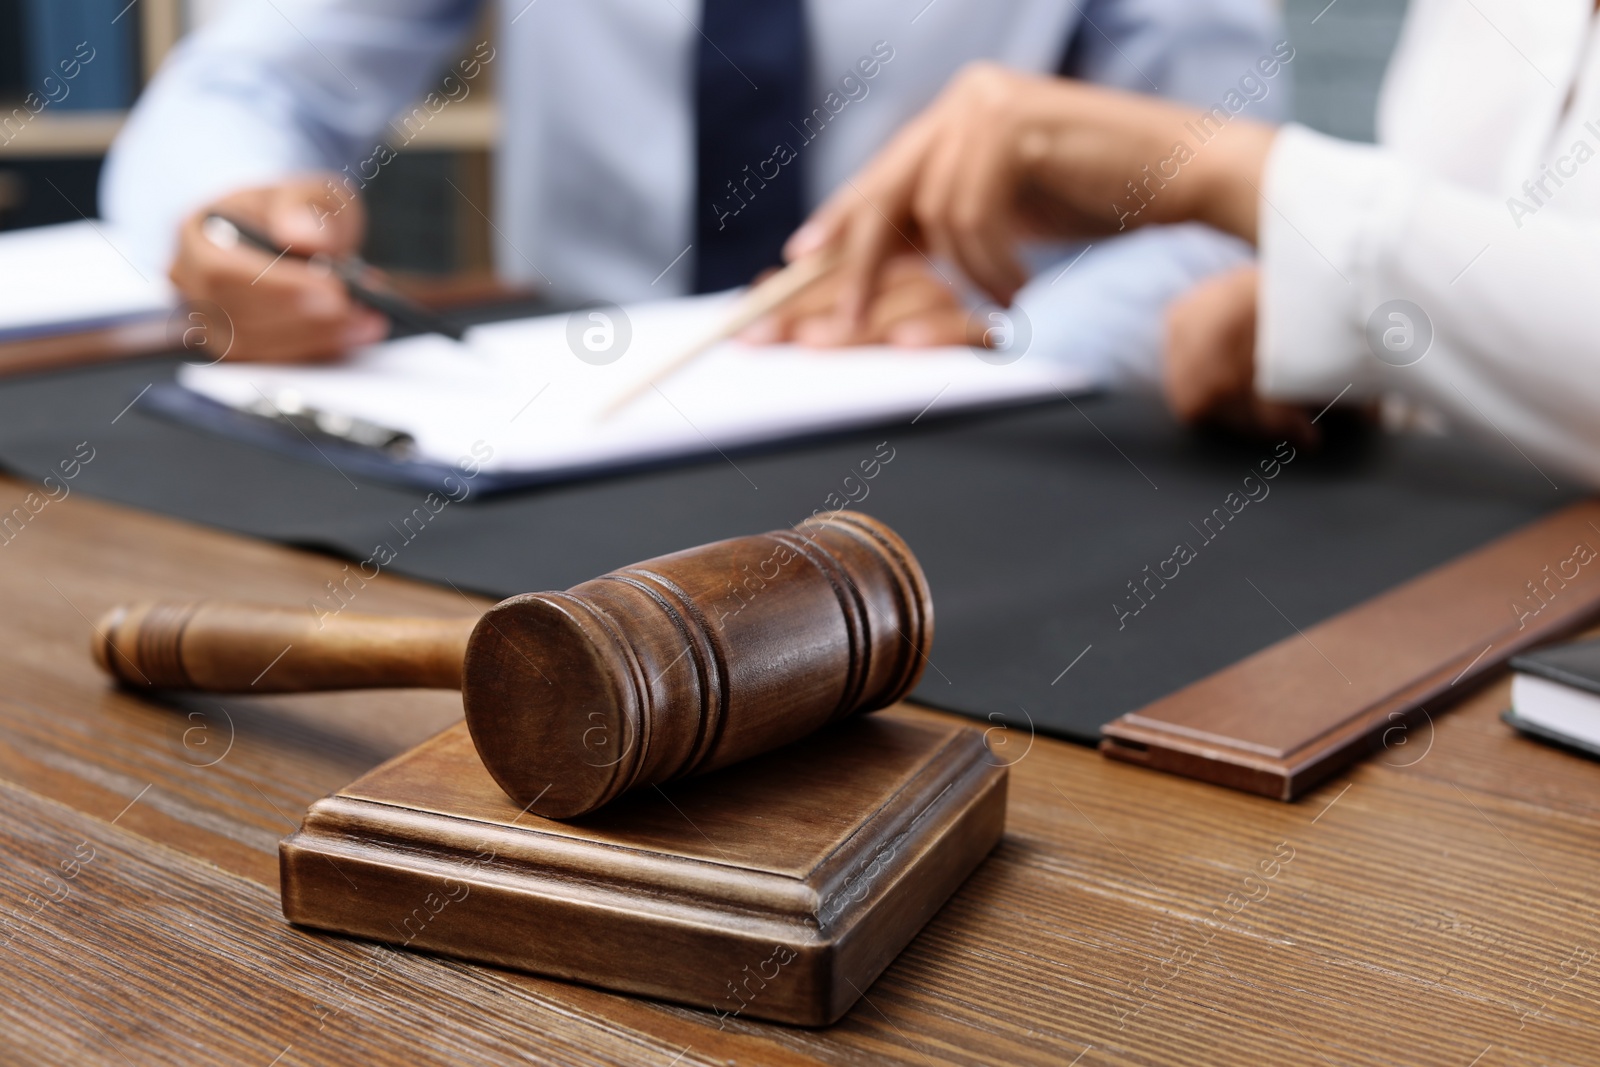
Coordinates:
670 667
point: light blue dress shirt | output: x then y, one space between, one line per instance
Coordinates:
594 169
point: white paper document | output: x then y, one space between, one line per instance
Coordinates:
518 391
73 276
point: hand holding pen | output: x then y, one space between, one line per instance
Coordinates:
304 297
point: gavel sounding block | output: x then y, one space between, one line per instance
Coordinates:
777 888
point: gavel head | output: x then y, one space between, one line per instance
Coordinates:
692 661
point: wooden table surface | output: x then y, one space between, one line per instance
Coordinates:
1436 906
152 334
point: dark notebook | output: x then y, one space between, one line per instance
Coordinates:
1576 663
1555 695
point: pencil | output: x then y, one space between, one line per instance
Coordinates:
762 298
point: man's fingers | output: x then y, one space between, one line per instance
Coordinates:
296 323
919 309
823 331
767 330
292 339
301 223
281 308
312 215
907 293
282 283
947 326
365 327
869 241
912 295
777 325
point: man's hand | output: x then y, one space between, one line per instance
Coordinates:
1002 156
289 310
1210 364
913 307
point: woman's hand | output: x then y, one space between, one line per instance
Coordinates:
1002 156
1209 362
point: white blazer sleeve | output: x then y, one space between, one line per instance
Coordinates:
1513 302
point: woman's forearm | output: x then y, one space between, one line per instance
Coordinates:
1129 160
1002 157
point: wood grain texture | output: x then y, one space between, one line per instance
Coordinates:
1290 716
226 647
107 925
694 660
1414 923
777 888
668 668
154 334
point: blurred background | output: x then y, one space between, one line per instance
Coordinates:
50 166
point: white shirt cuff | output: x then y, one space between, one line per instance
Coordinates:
1326 206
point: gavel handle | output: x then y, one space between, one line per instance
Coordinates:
220 647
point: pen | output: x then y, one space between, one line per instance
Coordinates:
225 232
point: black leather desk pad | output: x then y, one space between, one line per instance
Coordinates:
1029 523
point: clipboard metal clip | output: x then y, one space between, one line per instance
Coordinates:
288 407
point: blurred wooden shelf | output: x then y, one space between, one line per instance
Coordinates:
53 134
465 127
472 126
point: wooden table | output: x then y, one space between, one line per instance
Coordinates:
153 334
1435 907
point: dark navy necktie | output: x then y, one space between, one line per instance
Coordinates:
750 85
